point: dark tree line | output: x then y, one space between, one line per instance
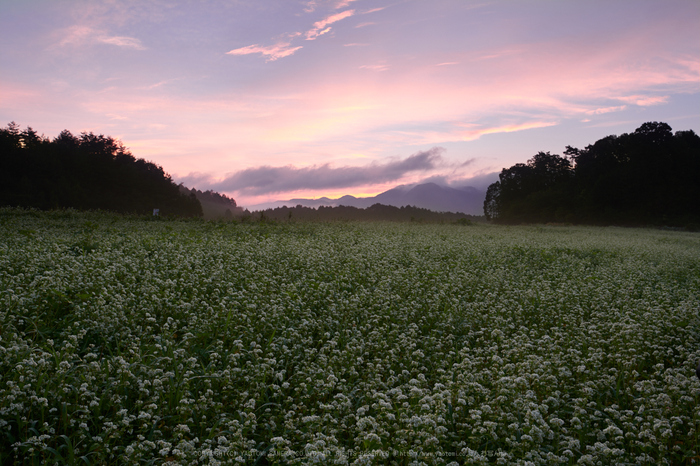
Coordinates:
374 213
648 177
85 172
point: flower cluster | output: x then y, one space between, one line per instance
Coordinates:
124 341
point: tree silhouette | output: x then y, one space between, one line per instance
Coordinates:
86 172
645 177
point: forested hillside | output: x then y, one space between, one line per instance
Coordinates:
84 172
648 177
214 205
374 213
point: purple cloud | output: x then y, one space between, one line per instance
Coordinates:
268 180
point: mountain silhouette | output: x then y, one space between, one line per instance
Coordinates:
467 200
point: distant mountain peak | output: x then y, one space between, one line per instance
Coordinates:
429 195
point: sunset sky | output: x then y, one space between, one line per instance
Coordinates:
276 99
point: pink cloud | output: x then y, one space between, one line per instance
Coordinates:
76 35
457 134
373 10
273 52
310 6
14 95
470 135
603 110
375 67
284 48
356 111
324 112
321 27
644 100
122 41
115 116
160 84
81 35
343 4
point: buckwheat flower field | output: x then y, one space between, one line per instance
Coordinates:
131 341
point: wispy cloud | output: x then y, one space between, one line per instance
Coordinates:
322 27
480 180
269 180
644 100
373 10
76 35
196 179
419 78
375 67
343 4
14 96
310 6
122 41
284 48
160 84
81 35
115 116
272 52
603 110
470 135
